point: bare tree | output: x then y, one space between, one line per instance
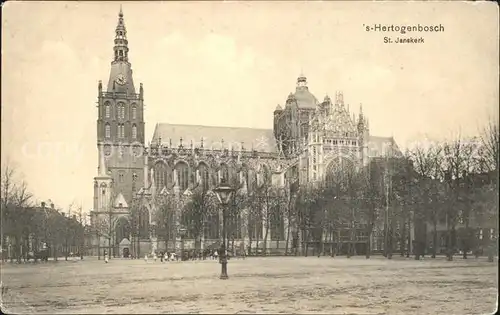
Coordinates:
490 140
457 166
373 192
427 163
15 198
195 213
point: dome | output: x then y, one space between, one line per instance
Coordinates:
305 99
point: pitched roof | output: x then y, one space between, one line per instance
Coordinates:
120 200
382 146
262 140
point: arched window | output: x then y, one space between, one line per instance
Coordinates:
121 110
277 227
134 131
107 131
224 174
182 175
122 230
266 175
234 225
144 223
121 177
204 176
161 175
134 112
121 131
107 109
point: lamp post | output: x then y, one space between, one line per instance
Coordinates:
182 233
224 193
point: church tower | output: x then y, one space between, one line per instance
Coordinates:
120 121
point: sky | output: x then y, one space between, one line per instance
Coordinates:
230 64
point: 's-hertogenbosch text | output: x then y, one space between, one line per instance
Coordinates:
403 29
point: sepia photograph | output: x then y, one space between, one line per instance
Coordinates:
249 157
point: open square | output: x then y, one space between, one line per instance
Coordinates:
255 285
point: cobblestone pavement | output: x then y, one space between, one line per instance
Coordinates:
256 285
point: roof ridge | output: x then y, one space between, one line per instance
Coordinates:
206 126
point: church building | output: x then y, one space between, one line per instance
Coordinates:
140 190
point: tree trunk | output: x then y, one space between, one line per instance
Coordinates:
390 239
368 241
98 247
306 241
257 238
434 239
466 239
264 250
287 238
402 240
66 250
408 244
109 247
35 249
331 242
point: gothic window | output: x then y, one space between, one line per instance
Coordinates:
265 175
204 176
255 226
182 175
212 226
160 174
277 225
234 225
107 109
107 131
134 131
134 112
122 230
224 174
121 130
144 223
121 111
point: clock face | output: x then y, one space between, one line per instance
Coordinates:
120 79
107 150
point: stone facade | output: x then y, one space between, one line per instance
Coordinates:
309 140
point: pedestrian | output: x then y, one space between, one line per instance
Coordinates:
105 256
146 258
216 254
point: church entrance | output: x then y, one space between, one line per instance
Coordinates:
126 252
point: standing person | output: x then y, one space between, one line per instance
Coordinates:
216 254
105 256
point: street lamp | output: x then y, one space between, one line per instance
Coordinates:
182 233
224 193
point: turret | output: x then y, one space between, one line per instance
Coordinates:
361 120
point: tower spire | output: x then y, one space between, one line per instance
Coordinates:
121 42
